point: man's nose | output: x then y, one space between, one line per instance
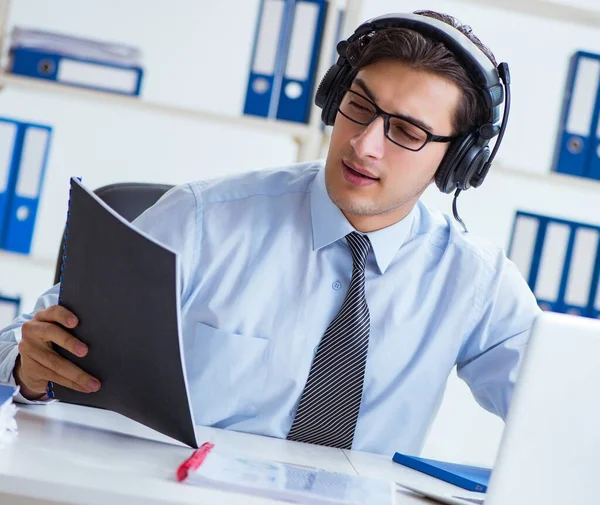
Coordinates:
370 143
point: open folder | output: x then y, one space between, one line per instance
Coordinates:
124 288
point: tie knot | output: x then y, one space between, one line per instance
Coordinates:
359 245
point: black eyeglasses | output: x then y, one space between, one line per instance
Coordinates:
402 132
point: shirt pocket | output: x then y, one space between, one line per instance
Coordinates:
227 375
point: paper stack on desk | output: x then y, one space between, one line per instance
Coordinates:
281 481
8 424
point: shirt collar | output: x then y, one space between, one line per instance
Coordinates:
330 225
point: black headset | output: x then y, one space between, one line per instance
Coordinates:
468 158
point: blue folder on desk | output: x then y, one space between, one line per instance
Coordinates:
473 478
6 393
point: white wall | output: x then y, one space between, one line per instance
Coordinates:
192 61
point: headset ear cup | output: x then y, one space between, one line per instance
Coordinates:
326 93
480 171
446 175
472 162
325 85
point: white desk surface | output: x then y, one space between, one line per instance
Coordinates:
69 454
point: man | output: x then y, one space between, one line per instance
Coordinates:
326 304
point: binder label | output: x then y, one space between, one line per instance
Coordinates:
34 151
8 133
97 76
268 37
552 261
581 269
301 44
584 97
523 244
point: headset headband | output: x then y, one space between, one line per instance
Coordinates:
480 68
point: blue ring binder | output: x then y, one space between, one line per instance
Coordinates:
576 288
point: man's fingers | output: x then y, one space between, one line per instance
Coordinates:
60 367
40 363
50 332
57 314
46 375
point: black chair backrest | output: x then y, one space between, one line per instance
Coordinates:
129 199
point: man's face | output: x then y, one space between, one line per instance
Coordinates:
399 176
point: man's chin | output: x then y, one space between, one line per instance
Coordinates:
356 207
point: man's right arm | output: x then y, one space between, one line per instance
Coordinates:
11 335
26 355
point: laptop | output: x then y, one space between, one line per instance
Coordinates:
550 449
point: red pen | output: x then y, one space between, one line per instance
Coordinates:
194 461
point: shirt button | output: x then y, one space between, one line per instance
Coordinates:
337 285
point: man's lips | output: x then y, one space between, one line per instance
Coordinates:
360 171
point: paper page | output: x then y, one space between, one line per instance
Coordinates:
283 481
8 423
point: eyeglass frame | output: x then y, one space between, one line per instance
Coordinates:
379 112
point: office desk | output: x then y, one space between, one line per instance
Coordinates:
66 454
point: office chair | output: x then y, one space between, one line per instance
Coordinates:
129 199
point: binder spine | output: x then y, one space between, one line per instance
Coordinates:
562 259
29 168
573 152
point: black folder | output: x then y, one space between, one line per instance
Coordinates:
124 288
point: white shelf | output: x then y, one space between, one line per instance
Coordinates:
17 258
545 9
550 177
298 131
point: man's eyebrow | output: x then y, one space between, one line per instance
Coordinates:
363 86
358 81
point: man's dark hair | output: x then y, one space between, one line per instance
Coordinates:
424 54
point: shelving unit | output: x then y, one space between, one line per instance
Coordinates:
296 130
309 137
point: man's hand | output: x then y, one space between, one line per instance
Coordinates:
38 363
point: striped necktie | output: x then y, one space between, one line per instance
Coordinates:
329 404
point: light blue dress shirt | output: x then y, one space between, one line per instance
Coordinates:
265 268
